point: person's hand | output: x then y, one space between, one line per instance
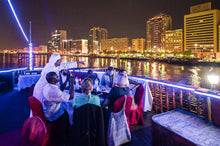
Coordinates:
72 75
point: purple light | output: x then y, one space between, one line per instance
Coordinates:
166 84
207 94
18 21
25 36
3 71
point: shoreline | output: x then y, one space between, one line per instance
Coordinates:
175 61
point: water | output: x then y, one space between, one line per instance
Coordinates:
191 75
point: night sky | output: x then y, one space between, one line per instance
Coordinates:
122 18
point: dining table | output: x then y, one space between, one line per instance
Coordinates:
25 81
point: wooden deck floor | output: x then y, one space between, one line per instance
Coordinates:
14 110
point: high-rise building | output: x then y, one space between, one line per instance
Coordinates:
56 42
79 46
96 34
138 45
66 45
201 30
156 28
174 40
116 45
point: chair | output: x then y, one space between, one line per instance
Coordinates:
31 89
88 126
33 132
118 104
136 115
37 109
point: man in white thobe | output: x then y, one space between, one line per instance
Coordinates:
54 65
51 66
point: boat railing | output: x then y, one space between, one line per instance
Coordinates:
168 96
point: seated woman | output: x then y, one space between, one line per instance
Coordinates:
87 97
120 88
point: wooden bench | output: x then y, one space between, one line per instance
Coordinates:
179 127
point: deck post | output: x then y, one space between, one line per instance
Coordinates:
167 98
155 97
174 102
198 104
189 99
181 99
161 99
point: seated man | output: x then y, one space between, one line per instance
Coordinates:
136 84
92 76
64 80
108 78
54 108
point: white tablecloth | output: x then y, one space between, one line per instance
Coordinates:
25 81
148 98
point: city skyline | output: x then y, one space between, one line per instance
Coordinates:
125 18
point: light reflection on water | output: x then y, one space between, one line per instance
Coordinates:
196 75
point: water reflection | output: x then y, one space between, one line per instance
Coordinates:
193 75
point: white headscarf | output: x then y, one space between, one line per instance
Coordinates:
53 59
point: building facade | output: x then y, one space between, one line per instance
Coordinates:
155 32
174 40
138 45
79 46
201 30
66 45
116 45
56 42
96 34
43 48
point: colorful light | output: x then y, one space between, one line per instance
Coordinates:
19 24
25 36
30 57
207 94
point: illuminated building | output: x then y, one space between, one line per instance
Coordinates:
66 45
200 30
174 40
96 34
79 46
56 43
138 45
156 28
43 48
116 45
